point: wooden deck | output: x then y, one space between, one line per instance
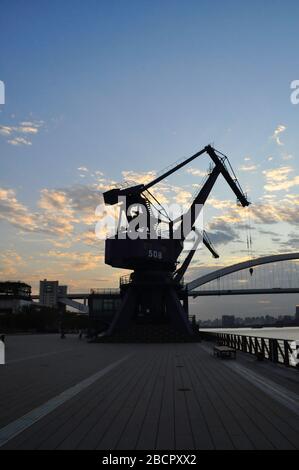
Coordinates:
59 394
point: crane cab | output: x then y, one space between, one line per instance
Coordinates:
142 254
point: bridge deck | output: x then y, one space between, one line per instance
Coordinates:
161 396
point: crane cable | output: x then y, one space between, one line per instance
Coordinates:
249 233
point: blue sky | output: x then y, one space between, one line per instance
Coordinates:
121 86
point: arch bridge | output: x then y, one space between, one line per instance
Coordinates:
274 274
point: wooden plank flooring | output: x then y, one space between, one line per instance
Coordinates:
164 396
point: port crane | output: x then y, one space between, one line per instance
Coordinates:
153 293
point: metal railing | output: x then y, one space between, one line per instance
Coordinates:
275 350
124 280
127 279
111 291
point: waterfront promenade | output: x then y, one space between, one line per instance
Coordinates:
68 394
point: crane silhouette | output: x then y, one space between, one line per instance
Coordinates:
154 291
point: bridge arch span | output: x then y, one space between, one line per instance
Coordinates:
239 267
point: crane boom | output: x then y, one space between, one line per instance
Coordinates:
178 275
191 215
111 196
232 182
175 168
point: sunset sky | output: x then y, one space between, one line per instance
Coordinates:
100 91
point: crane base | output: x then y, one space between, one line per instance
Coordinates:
151 302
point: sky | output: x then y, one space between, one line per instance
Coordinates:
98 91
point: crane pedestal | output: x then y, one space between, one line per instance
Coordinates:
152 300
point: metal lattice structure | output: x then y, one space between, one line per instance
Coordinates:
272 274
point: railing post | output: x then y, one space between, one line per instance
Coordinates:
270 349
286 353
244 344
273 350
263 347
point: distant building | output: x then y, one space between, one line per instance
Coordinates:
49 291
14 296
62 291
228 321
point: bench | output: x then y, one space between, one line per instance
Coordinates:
225 352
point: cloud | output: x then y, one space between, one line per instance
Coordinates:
248 167
75 204
6 130
183 197
19 141
276 136
195 172
221 232
27 129
278 179
14 212
10 262
58 215
292 243
32 124
17 132
278 174
268 232
219 237
232 216
287 157
59 210
274 211
88 238
268 211
83 201
55 200
52 220
221 204
265 213
138 178
77 261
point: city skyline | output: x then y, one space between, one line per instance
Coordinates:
135 89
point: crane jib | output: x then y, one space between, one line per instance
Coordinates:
111 196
